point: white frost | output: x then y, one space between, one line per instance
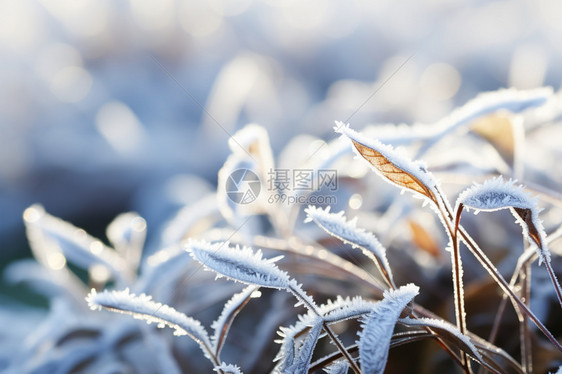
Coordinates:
49 234
333 311
143 307
374 341
338 367
496 194
228 369
304 356
397 157
336 224
512 100
442 325
239 263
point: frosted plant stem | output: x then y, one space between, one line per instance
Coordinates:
456 264
554 281
298 292
526 257
500 280
486 263
526 349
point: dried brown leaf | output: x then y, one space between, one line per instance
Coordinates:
499 131
392 172
423 239
391 164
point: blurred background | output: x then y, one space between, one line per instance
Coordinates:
101 102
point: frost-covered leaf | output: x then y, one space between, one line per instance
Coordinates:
143 307
232 189
50 237
227 369
391 164
52 284
446 331
333 311
229 312
304 356
495 194
162 271
251 152
127 233
348 309
253 141
510 100
347 231
374 341
338 367
239 263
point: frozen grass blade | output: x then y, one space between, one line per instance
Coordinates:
239 264
447 331
333 311
378 327
510 100
495 194
127 233
246 266
302 360
500 280
231 309
348 232
76 245
143 307
338 367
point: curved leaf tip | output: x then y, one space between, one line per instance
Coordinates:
496 194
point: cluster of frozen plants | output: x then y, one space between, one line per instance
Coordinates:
349 302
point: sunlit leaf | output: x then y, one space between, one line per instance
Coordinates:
127 233
498 130
423 239
51 235
391 164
